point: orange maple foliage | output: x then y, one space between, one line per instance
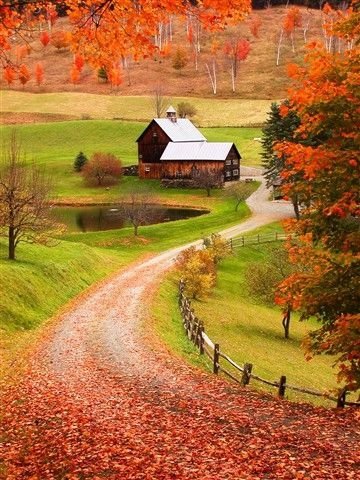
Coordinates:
292 20
23 74
325 175
104 31
79 62
115 76
44 38
39 73
254 25
9 75
75 74
102 39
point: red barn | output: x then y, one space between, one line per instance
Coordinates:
172 147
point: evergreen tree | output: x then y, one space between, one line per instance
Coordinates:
277 128
282 126
80 161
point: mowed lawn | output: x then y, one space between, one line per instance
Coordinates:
43 279
247 330
211 112
55 145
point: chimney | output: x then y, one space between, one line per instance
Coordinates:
171 114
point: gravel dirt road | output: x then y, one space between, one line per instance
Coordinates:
104 399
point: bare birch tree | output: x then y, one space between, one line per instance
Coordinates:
138 208
159 101
24 200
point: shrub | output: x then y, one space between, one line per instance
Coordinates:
102 169
239 191
80 161
60 40
185 109
197 269
180 59
102 75
262 278
217 247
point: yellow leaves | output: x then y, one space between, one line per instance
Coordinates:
197 269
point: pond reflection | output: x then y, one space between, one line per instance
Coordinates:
109 217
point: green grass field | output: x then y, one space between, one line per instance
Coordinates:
43 279
212 112
55 146
245 329
155 238
40 282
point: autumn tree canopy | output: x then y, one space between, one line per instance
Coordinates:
326 97
104 31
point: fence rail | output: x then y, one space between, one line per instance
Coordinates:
195 332
257 239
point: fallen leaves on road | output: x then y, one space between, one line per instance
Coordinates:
100 402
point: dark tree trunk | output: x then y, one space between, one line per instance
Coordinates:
296 207
136 230
11 243
286 323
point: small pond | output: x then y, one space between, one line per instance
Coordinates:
109 217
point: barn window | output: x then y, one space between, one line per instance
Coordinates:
228 162
155 137
147 169
227 174
140 156
235 172
235 161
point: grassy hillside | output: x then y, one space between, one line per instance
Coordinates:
42 280
211 112
55 146
258 77
245 329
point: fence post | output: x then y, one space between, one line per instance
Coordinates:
245 379
258 238
341 398
243 241
276 236
231 244
282 386
216 358
201 339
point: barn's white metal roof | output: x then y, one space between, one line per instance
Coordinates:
196 151
180 131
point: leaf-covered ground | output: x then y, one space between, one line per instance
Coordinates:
103 399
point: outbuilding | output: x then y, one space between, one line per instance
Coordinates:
173 148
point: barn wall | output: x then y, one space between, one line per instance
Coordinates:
232 166
152 144
150 170
184 169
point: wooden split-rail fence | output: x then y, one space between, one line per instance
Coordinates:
195 332
257 239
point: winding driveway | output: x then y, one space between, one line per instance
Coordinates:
104 399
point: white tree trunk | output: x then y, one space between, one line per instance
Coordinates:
233 77
279 47
212 76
